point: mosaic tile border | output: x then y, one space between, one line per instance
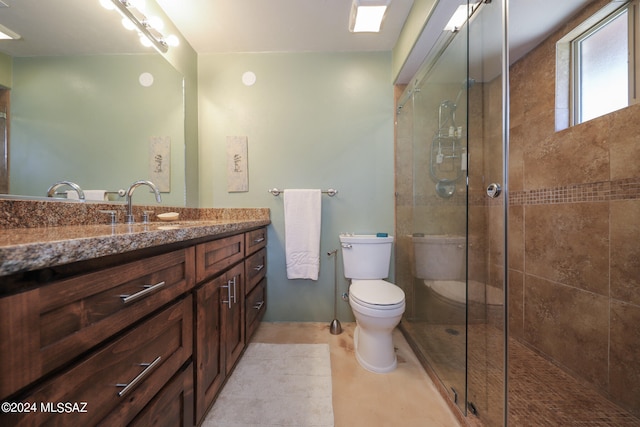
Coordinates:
624 189
606 191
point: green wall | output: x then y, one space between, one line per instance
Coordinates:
313 120
413 26
88 119
184 59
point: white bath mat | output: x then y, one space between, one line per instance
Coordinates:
277 385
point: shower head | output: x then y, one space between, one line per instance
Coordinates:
466 85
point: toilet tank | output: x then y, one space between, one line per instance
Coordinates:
366 256
439 257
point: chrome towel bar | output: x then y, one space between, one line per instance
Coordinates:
331 192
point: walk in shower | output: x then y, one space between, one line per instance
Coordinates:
504 240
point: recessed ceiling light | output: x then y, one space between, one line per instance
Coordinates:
367 15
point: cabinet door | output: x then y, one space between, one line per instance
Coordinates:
209 352
233 319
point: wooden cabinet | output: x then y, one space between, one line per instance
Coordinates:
233 317
114 384
44 328
173 406
209 357
255 307
219 333
256 266
255 239
255 288
218 255
147 342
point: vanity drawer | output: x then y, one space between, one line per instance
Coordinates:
256 266
173 406
255 239
49 326
115 383
256 306
216 256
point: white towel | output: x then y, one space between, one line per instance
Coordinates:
88 195
302 233
72 195
95 195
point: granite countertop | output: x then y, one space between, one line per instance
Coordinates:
25 249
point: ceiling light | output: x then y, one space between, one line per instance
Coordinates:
460 16
7 34
150 34
367 15
107 4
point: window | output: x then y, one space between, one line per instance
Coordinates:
596 64
601 68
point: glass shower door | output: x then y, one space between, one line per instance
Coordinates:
431 214
450 215
486 272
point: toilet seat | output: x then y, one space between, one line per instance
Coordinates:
376 294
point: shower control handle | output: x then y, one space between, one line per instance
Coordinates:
494 190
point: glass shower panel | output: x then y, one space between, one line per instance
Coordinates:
431 219
486 219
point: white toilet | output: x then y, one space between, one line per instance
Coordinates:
376 304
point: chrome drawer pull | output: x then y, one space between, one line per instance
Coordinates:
228 287
258 267
148 368
258 305
146 291
258 240
234 289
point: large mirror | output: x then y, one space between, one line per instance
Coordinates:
86 102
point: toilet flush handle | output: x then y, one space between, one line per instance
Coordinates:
346 245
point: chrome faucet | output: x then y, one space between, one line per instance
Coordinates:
51 192
129 219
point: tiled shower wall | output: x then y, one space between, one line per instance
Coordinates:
574 231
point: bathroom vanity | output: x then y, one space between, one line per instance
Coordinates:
145 335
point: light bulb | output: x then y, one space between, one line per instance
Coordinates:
107 4
145 41
126 23
155 23
172 40
138 4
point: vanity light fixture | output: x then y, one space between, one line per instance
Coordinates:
367 15
148 28
460 16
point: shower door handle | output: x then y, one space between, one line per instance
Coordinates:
494 190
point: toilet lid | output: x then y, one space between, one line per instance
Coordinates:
376 292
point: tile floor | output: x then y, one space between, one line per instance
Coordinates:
540 393
405 397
